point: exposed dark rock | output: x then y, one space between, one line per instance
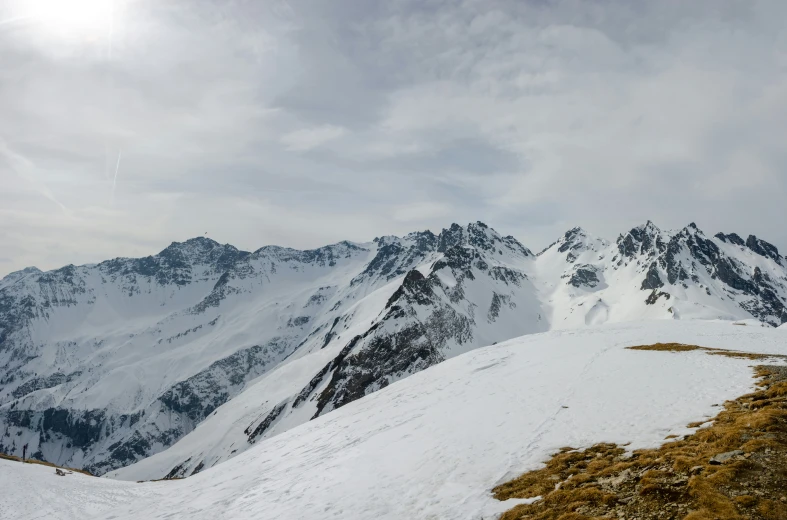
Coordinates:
266 423
298 321
584 276
732 238
198 396
571 240
385 355
499 300
640 240
514 245
394 255
199 467
763 248
671 263
652 279
125 452
40 383
83 428
320 376
330 334
451 237
507 275
727 270
415 289
177 470
409 350
721 458
655 295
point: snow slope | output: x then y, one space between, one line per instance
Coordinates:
32 491
434 444
104 365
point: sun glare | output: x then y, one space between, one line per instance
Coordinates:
80 20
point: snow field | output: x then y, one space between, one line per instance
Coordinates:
433 445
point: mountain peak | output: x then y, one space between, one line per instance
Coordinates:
574 232
648 227
416 235
574 238
480 236
202 241
692 229
18 275
640 239
196 244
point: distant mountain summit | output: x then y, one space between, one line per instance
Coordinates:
217 348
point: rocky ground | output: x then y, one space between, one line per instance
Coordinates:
732 468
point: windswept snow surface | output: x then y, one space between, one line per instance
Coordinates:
433 445
32 491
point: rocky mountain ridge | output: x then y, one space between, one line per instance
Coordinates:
104 365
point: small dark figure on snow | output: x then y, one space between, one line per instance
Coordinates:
24 452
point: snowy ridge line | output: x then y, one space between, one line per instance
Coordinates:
104 365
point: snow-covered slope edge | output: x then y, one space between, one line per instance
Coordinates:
433 445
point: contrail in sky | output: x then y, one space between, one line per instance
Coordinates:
23 167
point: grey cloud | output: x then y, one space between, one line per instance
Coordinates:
302 123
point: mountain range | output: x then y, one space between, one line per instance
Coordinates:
169 364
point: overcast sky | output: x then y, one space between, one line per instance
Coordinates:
127 125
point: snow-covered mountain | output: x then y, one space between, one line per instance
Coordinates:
104 365
650 274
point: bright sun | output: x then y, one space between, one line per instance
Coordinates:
86 20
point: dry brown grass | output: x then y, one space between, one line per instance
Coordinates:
680 347
43 463
677 480
742 355
667 347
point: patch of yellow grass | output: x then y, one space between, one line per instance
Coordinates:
680 347
667 347
679 478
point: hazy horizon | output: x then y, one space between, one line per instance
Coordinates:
436 231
